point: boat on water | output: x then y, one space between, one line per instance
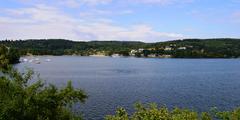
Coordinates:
48 60
25 60
97 55
115 55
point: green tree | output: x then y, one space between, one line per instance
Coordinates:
229 115
3 56
21 99
13 56
8 56
153 112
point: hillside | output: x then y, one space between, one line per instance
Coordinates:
187 48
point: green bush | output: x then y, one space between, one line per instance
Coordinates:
152 112
21 100
229 115
8 56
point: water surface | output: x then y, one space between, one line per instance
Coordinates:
198 84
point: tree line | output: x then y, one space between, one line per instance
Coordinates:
187 48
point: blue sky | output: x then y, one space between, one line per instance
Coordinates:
132 20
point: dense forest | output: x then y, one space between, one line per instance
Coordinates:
187 48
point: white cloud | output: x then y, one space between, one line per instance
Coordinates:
48 22
137 32
161 2
68 3
93 13
77 3
81 3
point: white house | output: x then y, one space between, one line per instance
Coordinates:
182 48
167 48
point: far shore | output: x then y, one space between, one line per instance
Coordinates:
104 56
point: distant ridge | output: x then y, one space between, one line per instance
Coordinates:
184 48
187 39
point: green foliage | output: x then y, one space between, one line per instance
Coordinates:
206 116
3 56
66 47
195 48
13 56
121 114
8 56
229 115
153 112
21 99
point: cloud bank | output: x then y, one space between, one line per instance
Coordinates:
42 21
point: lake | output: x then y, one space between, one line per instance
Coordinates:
198 84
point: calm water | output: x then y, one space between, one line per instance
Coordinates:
198 84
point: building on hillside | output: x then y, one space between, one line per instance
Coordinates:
167 48
182 48
133 52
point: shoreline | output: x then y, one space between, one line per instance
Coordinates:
105 56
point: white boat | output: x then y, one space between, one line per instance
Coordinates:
115 55
25 60
48 60
97 55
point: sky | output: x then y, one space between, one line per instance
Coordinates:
122 20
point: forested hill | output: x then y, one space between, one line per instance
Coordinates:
67 47
187 48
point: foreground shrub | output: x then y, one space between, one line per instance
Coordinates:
229 115
20 100
8 56
153 112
